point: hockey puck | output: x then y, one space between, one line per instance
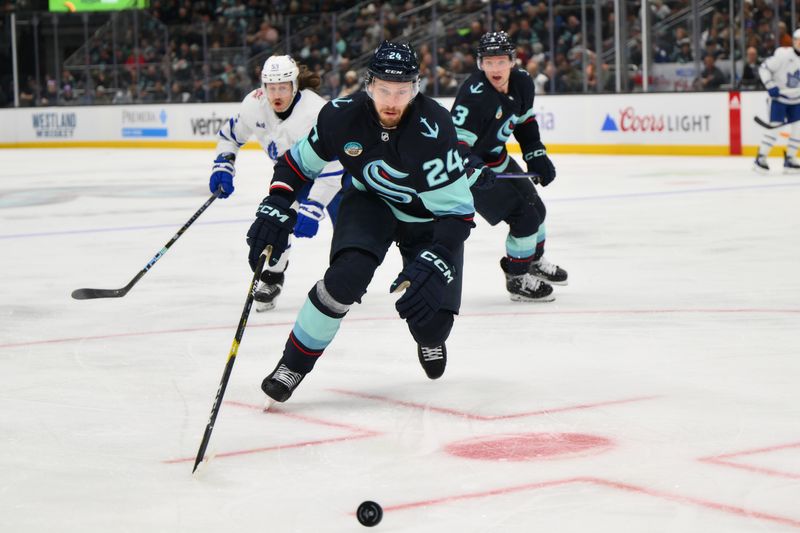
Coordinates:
369 514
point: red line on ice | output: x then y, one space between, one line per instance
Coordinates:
393 317
626 487
472 416
723 460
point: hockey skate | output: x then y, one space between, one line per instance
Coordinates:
790 164
281 383
433 359
760 164
268 290
525 287
547 271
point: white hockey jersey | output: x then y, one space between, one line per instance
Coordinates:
782 70
256 117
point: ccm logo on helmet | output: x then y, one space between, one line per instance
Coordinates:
443 267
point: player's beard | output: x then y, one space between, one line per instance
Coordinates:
393 120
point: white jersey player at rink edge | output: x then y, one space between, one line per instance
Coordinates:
780 74
279 113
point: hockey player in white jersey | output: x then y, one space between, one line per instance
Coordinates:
781 76
278 114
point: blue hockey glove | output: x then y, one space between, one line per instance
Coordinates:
309 215
222 174
774 92
539 163
273 224
429 274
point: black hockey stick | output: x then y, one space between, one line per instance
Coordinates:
769 126
226 374
89 294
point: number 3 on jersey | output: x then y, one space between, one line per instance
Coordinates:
434 167
460 116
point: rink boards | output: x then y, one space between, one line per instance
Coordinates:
719 123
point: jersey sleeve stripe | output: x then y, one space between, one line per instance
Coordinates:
231 125
291 164
466 136
527 117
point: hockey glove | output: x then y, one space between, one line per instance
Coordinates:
309 215
773 92
486 179
429 274
222 174
539 163
273 224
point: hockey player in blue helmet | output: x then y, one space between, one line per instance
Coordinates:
779 73
409 186
491 105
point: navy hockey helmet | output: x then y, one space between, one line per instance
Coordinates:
393 62
495 43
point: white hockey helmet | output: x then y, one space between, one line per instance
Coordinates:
796 39
279 69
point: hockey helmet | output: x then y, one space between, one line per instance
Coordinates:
393 62
795 39
495 43
280 69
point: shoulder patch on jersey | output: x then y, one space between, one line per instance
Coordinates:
258 94
432 133
353 149
476 88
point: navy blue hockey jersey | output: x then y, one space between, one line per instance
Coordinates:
415 168
485 118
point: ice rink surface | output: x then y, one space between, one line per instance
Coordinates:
660 392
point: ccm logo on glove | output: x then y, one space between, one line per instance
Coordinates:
440 265
535 153
272 212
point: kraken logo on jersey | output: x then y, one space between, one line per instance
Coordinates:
793 79
432 132
505 130
378 174
272 151
335 103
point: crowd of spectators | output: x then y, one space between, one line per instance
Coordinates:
212 50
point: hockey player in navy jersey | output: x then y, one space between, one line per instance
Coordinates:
278 114
409 186
781 76
492 104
